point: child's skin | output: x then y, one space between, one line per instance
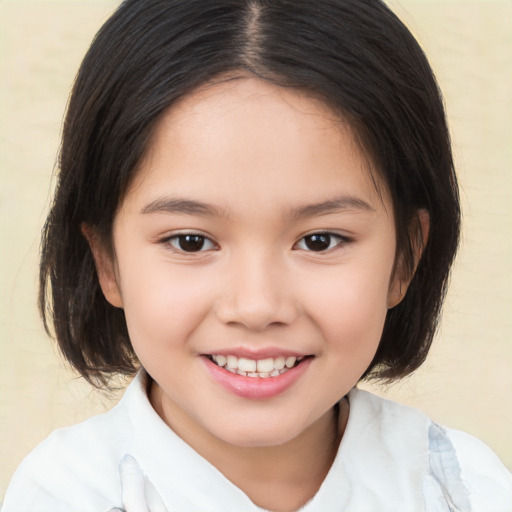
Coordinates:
273 166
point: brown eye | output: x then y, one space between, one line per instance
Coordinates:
191 243
319 242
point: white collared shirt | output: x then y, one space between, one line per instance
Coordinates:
391 458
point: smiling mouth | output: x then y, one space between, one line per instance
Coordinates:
260 368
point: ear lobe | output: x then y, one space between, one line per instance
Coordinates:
422 234
396 292
105 266
402 276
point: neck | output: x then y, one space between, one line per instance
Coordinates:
278 478
285 477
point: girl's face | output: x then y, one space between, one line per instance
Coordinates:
253 239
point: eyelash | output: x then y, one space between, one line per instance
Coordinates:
333 241
323 237
179 239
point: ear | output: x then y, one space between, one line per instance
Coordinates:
105 266
402 276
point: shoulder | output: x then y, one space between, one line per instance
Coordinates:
71 470
75 468
487 480
458 468
388 419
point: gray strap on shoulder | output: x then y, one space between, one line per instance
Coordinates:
445 469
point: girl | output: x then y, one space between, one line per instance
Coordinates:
256 209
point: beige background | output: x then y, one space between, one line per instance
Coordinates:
466 383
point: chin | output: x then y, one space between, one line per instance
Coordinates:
256 440
258 435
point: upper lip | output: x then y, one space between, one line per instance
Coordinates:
256 354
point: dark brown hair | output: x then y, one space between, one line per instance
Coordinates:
355 55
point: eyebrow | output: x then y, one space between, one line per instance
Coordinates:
185 206
192 207
334 205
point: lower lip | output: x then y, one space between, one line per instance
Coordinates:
256 388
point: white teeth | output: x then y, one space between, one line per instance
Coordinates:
263 368
290 361
220 360
265 365
246 365
279 363
232 362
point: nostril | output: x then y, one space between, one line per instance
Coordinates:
257 318
256 300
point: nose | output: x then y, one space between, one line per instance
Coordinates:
257 293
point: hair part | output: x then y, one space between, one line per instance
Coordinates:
354 55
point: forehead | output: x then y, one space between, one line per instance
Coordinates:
252 139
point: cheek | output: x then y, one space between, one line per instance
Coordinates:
350 306
161 306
